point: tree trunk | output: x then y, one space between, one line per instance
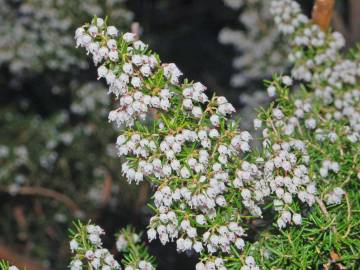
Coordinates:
354 13
322 13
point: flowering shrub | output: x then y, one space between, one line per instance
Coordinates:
293 204
213 196
178 154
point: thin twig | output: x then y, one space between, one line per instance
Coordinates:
142 196
348 214
106 190
322 206
49 193
324 210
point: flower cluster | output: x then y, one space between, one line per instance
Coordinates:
89 252
87 246
335 196
250 264
135 72
287 174
327 166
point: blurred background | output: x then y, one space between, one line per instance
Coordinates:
57 156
